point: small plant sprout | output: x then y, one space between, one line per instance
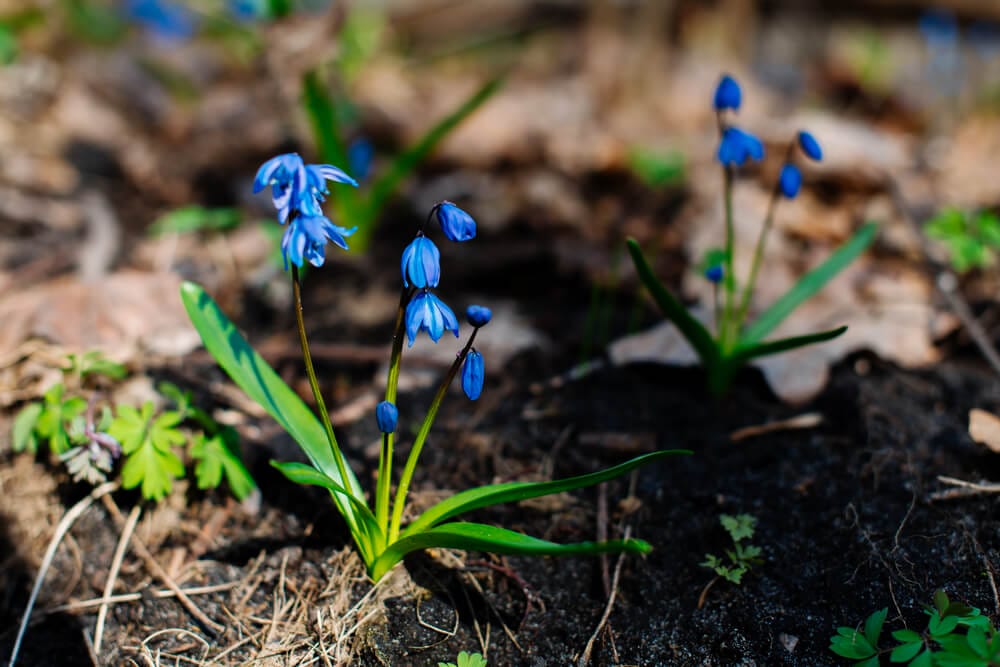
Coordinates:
971 239
297 191
736 341
466 659
957 635
739 559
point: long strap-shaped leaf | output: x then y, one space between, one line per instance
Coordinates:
253 375
480 537
694 331
808 285
496 494
301 473
743 354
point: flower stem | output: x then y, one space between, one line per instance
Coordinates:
384 482
729 280
314 383
418 442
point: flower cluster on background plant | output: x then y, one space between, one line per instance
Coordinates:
298 191
90 435
736 341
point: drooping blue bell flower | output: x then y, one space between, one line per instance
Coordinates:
166 20
306 238
421 263
428 313
296 186
727 94
809 146
714 274
456 224
738 146
473 374
386 415
790 181
478 316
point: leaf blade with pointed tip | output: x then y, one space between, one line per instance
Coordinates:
744 354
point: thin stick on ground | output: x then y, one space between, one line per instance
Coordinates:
62 528
157 571
116 564
585 656
963 489
83 605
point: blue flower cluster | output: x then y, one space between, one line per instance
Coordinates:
738 146
420 267
297 192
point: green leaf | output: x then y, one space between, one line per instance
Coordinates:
941 602
94 22
905 652
56 413
906 636
657 168
252 374
870 662
480 537
496 494
739 527
849 643
808 285
152 467
148 446
24 428
218 455
873 625
8 44
190 219
940 627
693 330
743 354
301 473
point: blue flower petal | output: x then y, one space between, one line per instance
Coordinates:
473 375
428 313
478 316
306 239
421 263
386 416
790 181
809 146
456 224
738 146
727 94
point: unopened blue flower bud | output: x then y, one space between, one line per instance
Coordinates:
714 274
428 313
386 414
421 263
790 181
456 224
473 374
478 316
810 146
727 94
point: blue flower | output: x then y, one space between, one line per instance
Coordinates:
296 186
738 146
247 10
386 415
164 19
939 27
809 146
714 274
478 316
360 154
421 263
429 313
306 237
473 374
727 94
456 224
790 180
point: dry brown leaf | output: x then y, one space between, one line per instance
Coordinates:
984 427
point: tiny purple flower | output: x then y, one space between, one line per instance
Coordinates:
428 313
421 263
456 224
473 374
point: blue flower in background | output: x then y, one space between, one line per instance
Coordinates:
714 274
478 316
295 186
738 146
456 224
166 20
473 374
939 27
727 94
360 155
809 146
306 238
790 181
386 415
247 10
421 263
428 313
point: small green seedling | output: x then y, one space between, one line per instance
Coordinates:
972 239
741 557
188 219
957 635
466 659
